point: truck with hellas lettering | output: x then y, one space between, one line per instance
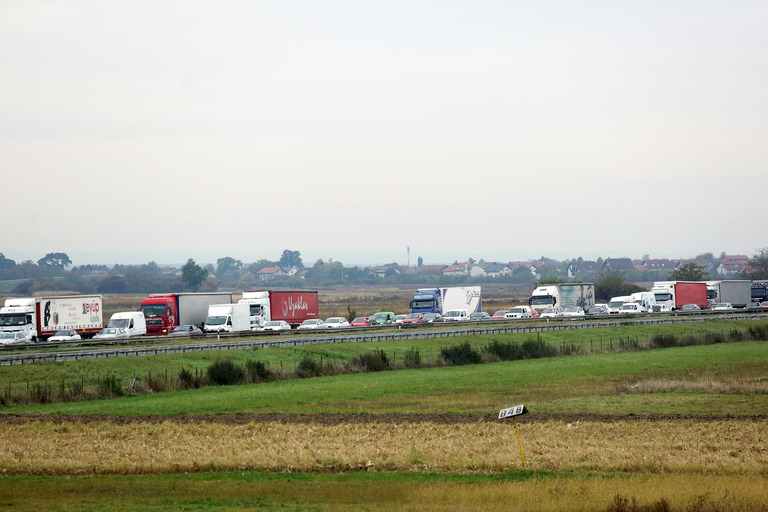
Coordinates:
38 318
164 311
442 300
564 295
270 305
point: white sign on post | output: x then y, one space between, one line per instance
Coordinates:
510 412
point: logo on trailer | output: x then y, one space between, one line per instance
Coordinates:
472 294
290 307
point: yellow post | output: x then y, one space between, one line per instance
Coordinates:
520 443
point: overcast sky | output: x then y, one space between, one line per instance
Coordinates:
159 130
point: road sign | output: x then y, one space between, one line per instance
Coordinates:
511 412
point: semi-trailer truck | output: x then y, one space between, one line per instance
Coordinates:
38 318
164 311
673 295
736 292
292 306
441 300
565 295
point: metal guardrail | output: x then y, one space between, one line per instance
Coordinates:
229 342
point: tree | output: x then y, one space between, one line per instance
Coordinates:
611 284
227 265
55 260
193 275
6 263
758 265
689 272
705 256
291 259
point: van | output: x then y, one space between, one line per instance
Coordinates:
519 312
133 322
456 315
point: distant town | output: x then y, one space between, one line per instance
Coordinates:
54 271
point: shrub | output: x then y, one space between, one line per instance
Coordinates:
187 380
461 354
663 341
412 358
40 393
258 372
225 373
757 332
308 368
504 351
535 349
375 361
109 385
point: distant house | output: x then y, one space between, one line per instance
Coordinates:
385 270
618 264
659 264
732 265
463 269
494 269
576 267
269 272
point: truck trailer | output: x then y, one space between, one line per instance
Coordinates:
291 306
164 311
565 295
441 300
39 318
736 292
673 295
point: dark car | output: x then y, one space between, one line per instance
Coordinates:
690 307
433 317
186 330
480 315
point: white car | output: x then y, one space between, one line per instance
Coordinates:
551 312
519 312
631 308
456 315
276 325
67 335
722 306
336 322
398 318
9 338
313 323
577 311
111 332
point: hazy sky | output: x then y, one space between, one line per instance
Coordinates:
153 130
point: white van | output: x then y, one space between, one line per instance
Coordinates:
133 322
616 302
456 315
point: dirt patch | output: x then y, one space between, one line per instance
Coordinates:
342 419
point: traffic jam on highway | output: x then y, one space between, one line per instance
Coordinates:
77 317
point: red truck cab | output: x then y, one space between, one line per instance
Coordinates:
160 311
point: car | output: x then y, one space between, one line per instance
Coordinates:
336 322
480 315
433 317
9 338
276 325
382 318
399 318
576 311
456 315
690 307
65 335
551 312
359 321
186 330
313 323
414 318
631 308
519 312
598 309
499 315
111 332
752 307
764 304
722 306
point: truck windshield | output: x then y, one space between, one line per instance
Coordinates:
13 320
615 303
663 297
542 300
215 320
153 310
255 309
423 304
120 323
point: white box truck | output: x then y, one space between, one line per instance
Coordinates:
38 318
133 322
565 295
736 292
228 318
